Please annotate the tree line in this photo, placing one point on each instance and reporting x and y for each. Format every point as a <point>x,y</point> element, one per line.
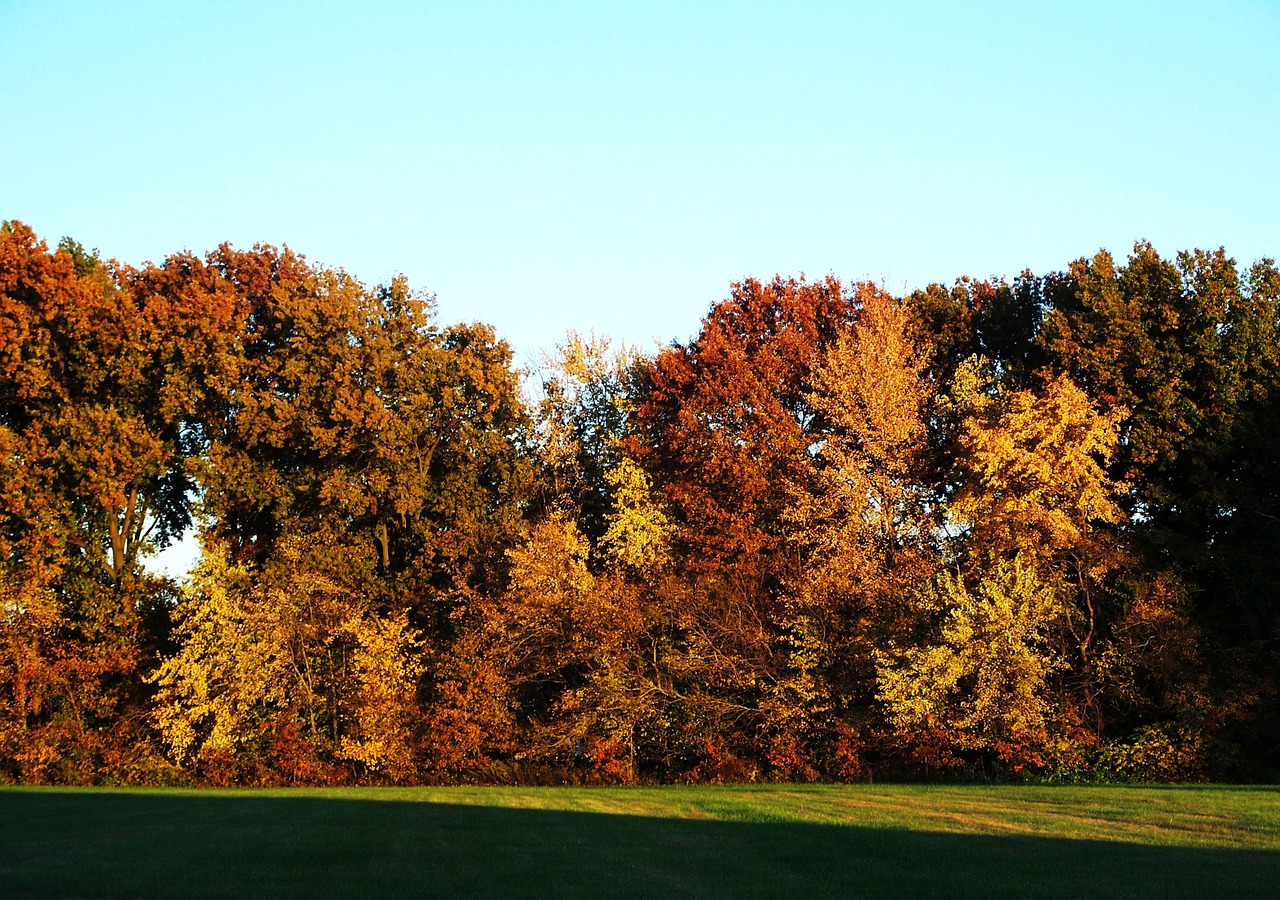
<point>996,529</point>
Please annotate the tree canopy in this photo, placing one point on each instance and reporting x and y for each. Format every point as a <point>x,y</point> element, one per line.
<point>991,528</point>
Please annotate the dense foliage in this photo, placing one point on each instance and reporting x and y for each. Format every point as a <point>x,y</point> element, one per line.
<point>983,530</point>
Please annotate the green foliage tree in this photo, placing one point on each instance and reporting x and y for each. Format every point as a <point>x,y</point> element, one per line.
<point>1189,347</point>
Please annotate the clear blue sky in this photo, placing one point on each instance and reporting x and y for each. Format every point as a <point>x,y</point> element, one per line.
<point>546,166</point>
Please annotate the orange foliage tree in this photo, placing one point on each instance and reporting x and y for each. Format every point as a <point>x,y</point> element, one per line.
<point>94,434</point>
<point>342,419</point>
<point>725,426</point>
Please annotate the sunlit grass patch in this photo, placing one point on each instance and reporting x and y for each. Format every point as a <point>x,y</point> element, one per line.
<point>696,841</point>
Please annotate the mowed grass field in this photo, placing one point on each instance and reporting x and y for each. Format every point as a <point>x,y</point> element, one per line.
<point>709,841</point>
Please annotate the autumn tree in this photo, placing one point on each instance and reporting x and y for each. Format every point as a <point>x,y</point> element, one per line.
<point>348,403</point>
<point>724,423</point>
<point>984,684</point>
<point>342,419</point>
<point>91,408</point>
<point>1035,475</point>
<point>569,645</point>
<point>575,647</point>
<point>724,428</point>
<point>582,420</point>
<point>1033,547</point>
<point>93,442</point>
<point>865,525</point>
<point>286,667</point>
<point>997,525</point>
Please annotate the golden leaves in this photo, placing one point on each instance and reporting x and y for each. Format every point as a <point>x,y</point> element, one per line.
<point>1037,481</point>
<point>984,681</point>
<point>640,530</point>
<point>386,663</point>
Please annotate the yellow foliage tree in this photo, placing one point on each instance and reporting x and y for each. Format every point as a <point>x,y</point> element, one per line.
<point>1029,523</point>
<point>581,419</point>
<point>386,665</point>
<point>1035,484</point>
<point>300,643</point>
<point>639,530</point>
<point>232,667</point>
<point>573,649</point>
<point>864,524</point>
<point>982,685</point>
<point>870,504</point>
<point>1036,481</point>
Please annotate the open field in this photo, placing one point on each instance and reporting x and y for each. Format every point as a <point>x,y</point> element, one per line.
<point>757,841</point>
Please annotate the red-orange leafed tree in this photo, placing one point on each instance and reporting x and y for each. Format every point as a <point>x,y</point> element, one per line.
<point>725,423</point>
<point>93,423</point>
<point>725,427</point>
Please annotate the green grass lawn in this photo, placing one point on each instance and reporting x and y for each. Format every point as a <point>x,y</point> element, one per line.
<point>757,841</point>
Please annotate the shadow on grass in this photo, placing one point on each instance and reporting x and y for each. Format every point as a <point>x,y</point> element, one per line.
<point>102,844</point>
